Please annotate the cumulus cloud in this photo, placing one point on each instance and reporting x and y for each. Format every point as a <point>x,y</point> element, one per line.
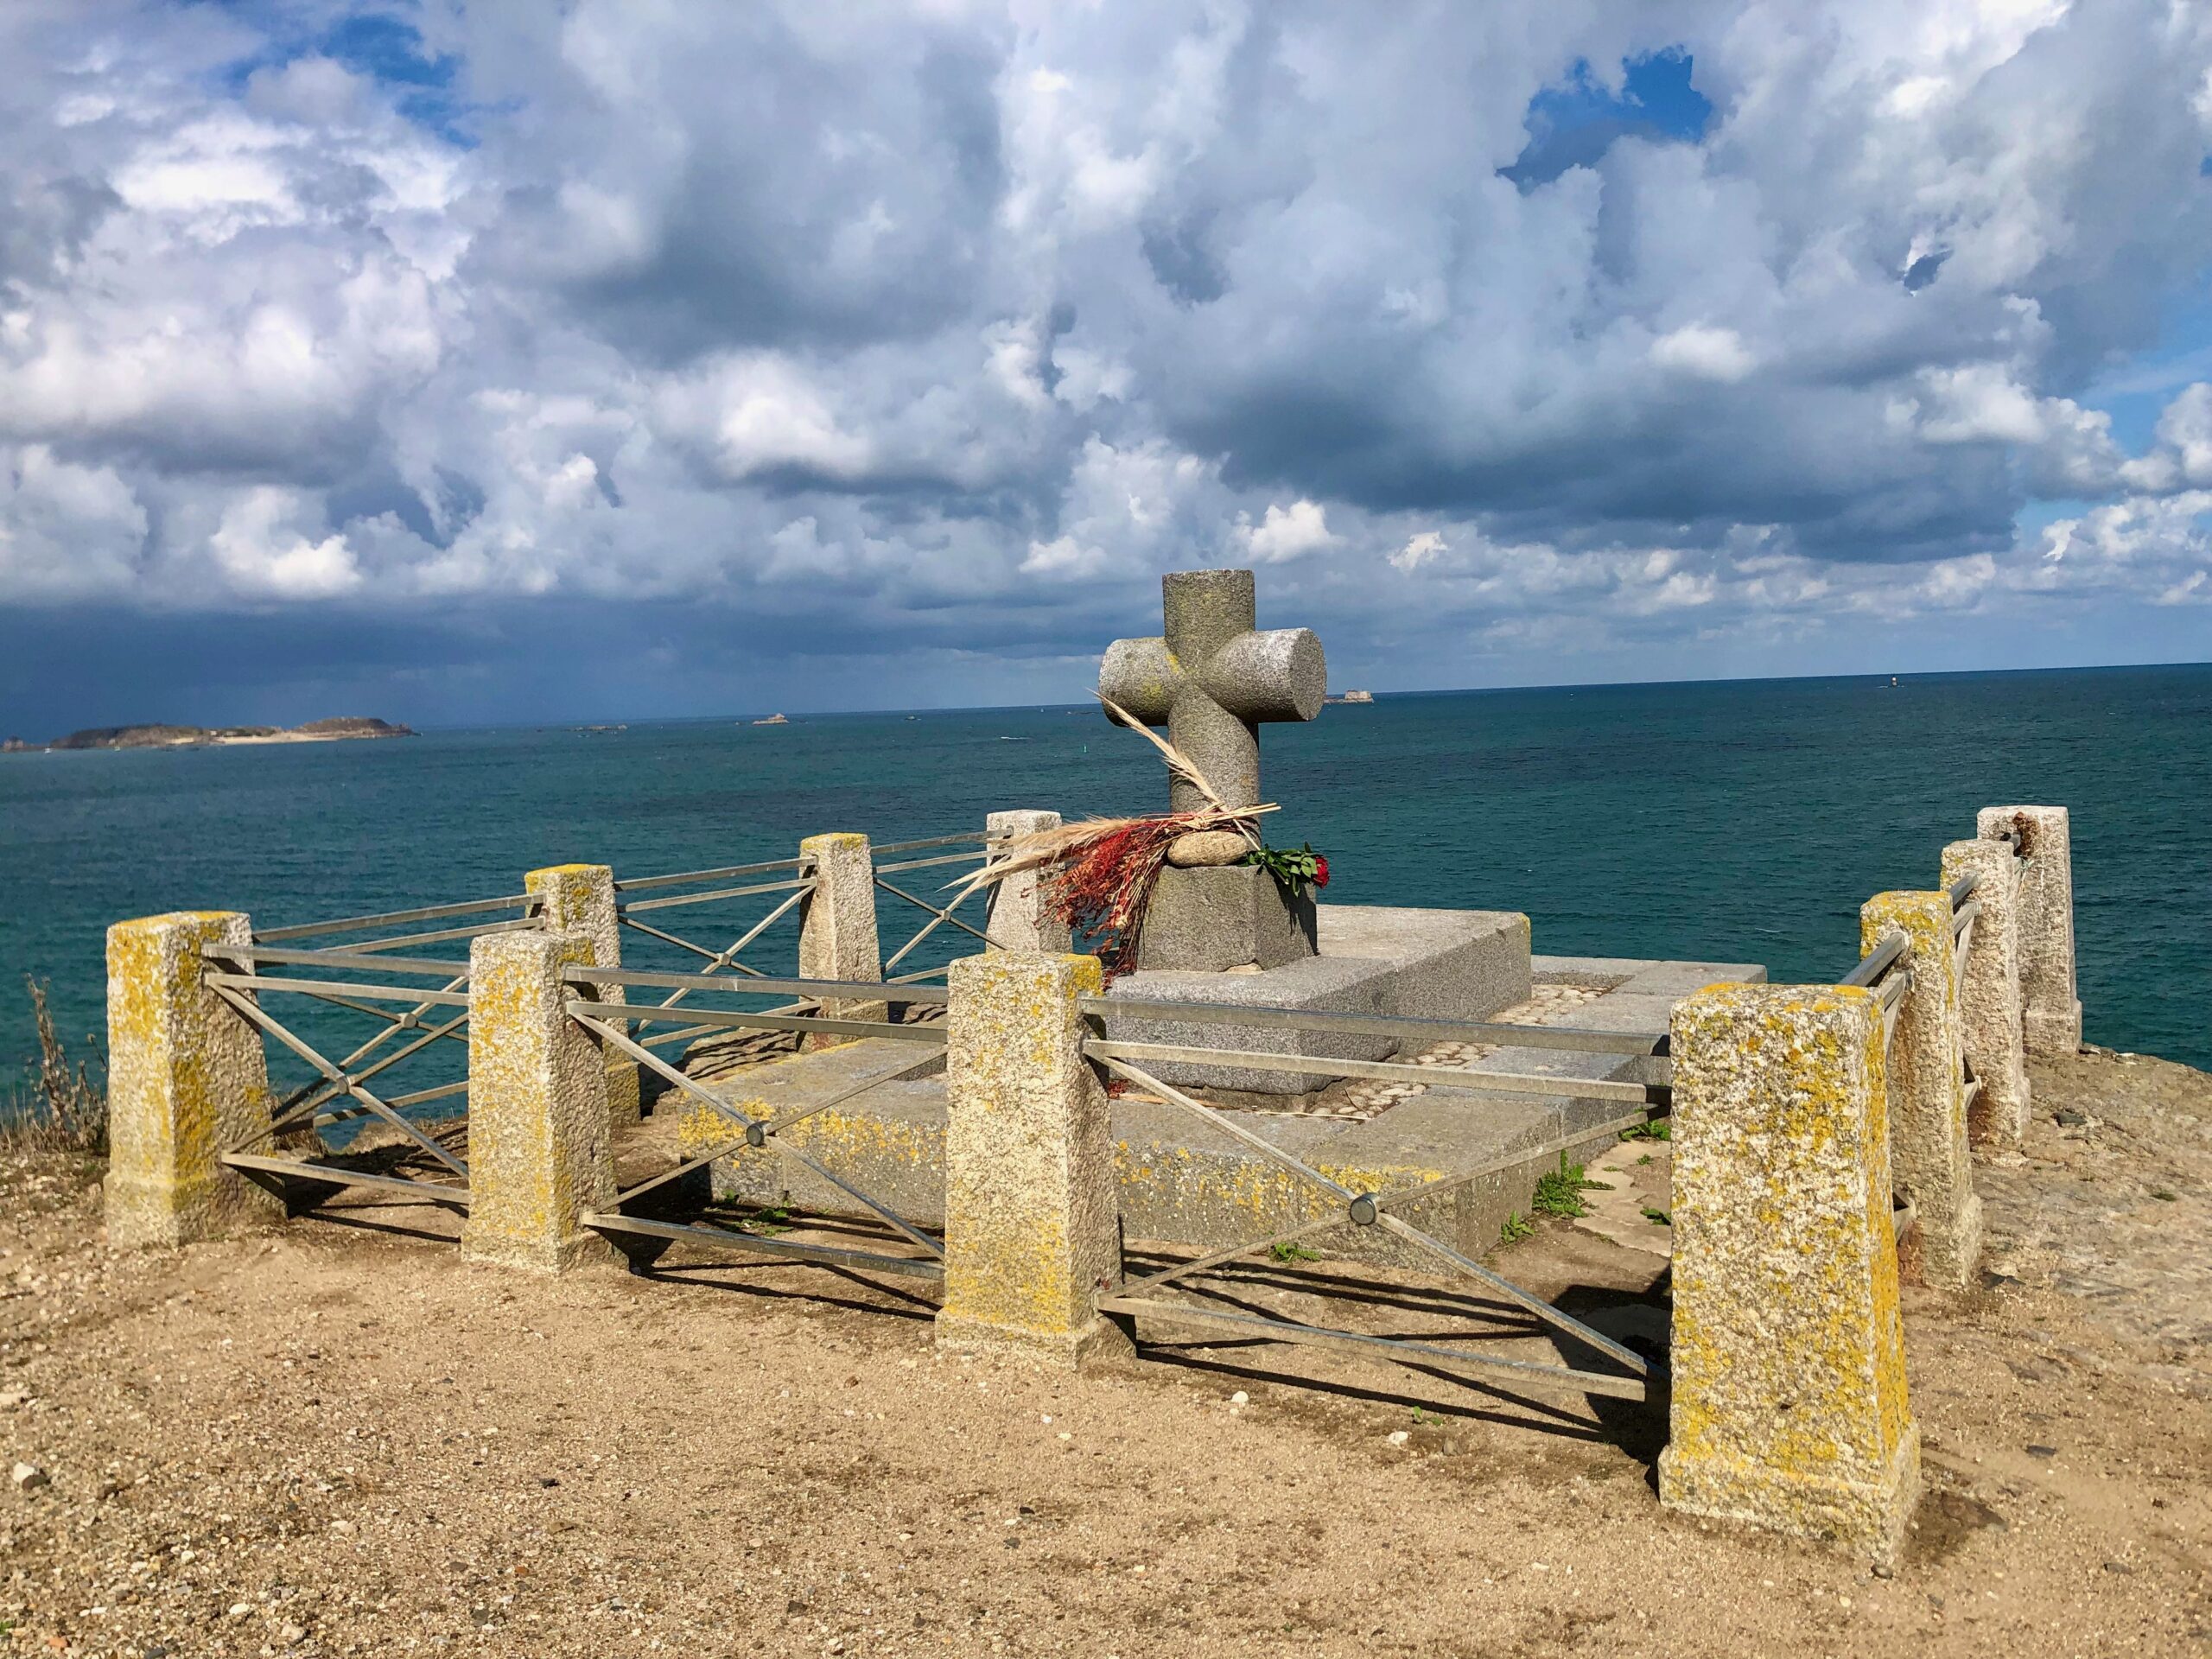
<point>1285,533</point>
<point>1709,354</point>
<point>956,329</point>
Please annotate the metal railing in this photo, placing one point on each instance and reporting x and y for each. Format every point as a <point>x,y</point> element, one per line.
<point>614,1023</point>
<point>1887,971</point>
<point>976,853</point>
<point>423,1159</point>
<point>1139,1297</point>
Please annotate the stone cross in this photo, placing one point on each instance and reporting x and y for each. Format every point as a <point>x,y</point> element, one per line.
<point>1213,678</point>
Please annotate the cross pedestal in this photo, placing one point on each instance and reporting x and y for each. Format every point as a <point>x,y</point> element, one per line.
<point>1212,679</point>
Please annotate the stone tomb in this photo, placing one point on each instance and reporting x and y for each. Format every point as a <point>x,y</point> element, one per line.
<point>1231,934</point>
<point>1183,1182</point>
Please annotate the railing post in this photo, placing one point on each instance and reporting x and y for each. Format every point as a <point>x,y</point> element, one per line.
<point>1788,1407</point>
<point>1989,992</point>
<point>836,931</point>
<point>186,1077</point>
<point>1930,1161</point>
<point>538,1136</point>
<point>580,898</point>
<point>1017,918</point>
<point>2051,1011</point>
<point>1032,1218</point>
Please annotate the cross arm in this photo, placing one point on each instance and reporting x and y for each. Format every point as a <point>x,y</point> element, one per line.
<point>1142,676</point>
<point>1268,674</point>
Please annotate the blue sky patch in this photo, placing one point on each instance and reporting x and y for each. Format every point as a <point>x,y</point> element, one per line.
<point>1572,123</point>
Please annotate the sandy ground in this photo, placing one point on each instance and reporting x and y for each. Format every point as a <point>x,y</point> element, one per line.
<point>340,1439</point>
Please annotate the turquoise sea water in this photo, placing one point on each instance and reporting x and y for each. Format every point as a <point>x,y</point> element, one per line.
<point>1742,821</point>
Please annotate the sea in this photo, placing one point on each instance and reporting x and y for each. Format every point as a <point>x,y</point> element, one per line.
<point>1737,821</point>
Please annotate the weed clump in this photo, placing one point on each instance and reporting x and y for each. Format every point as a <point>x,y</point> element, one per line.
<point>1559,1191</point>
<point>53,1106</point>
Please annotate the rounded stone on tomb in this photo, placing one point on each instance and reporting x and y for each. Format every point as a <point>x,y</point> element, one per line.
<point>1203,849</point>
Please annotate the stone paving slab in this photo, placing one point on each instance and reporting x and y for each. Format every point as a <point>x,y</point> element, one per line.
<point>1427,964</point>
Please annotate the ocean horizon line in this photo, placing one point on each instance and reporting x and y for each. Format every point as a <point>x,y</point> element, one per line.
<point>425,726</point>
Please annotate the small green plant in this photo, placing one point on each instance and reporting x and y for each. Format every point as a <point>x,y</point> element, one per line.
<point>1516,1228</point>
<point>1658,1129</point>
<point>1291,1250</point>
<point>1559,1191</point>
<point>768,1222</point>
<point>1657,1217</point>
<point>1643,1160</point>
<point>1419,1417</point>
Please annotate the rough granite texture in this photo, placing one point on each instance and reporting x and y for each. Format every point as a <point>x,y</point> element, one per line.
<point>1015,917</point>
<point>836,928</point>
<point>1925,1080</point>
<point>2051,1011</point>
<point>539,1143</point>
<point>1788,1407</point>
<point>580,898</point>
<point>1989,995</point>
<point>1429,964</point>
<point>1205,921</point>
<point>1032,1232</point>
<point>1212,679</point>
<point>186,1077</point>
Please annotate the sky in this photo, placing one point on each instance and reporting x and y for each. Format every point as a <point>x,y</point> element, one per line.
<point>469,363</point>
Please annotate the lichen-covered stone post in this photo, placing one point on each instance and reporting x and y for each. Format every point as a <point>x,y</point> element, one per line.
<point>1989,993</point>
<point>837,932</point>
<point>538,1138</point>
<point>1788,1407</point>
<point>1017,918</point>
<point>580,898</point>
<point>1929,1158</point>
<point>186,1077</point>
<point>1032,1225</point>
<point>2050,1012</point>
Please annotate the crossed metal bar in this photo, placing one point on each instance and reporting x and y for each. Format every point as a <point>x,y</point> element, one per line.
<point>309,1096</point>
<point>938,915</point>
<point>1372,1209</point>
<point>597,1018</point>
<point>236,989</point>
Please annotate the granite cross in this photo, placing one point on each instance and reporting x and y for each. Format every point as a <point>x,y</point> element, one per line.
<point>1213,678</point>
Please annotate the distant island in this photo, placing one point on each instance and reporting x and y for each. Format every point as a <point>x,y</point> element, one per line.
<point>334,730</point>
<point>1352,697</point>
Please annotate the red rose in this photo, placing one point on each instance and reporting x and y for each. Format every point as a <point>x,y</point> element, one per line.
<point>1320,870</point>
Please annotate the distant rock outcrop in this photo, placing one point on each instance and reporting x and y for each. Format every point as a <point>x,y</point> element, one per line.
<point>183,737</point>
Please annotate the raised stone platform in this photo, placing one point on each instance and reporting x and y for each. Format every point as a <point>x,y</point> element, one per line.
<point>1431,964</point>
<point>1183,1182</point>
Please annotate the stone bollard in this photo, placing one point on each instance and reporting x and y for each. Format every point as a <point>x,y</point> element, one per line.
<point>1989,993</point>
<point>538,1136</point>
<point>2050,1012</point>
<point>1032,1223</point>
<point>580,898</point>
<point>1017,918</point>
<point>186,1077</point>
<point>837,932</point>
<point>1930,1161</point>
<point>1788,1407</point>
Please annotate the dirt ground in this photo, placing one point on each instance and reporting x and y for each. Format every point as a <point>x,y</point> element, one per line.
<point>340,1439</point>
